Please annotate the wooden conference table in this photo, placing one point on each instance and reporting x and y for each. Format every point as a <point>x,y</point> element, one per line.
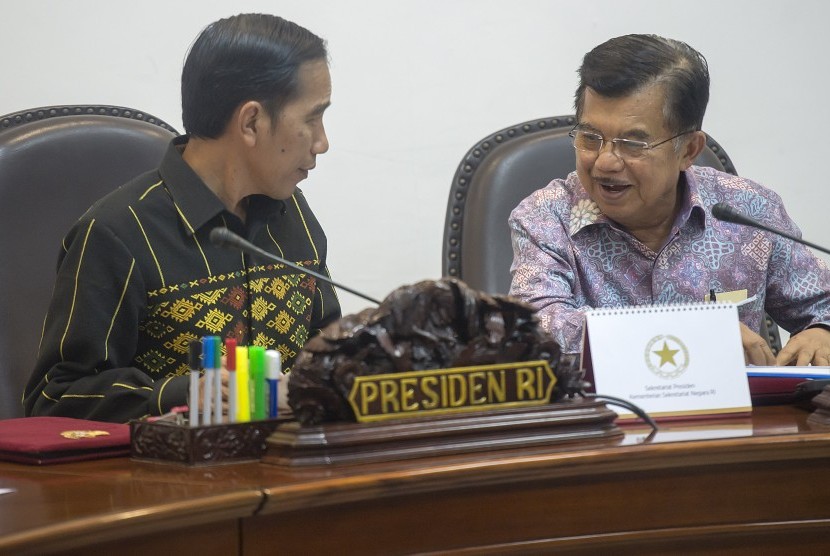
<point>754,485</point>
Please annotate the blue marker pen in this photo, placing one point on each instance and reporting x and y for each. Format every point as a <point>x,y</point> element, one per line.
<point>208,356</point>
<point>217,381</point>
<point>273,362</point>
<point>194,363</point>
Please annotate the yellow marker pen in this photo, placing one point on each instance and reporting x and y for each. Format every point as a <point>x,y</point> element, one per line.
<point>243,398</point>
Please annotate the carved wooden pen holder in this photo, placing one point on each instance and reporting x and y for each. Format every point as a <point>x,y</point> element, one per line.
<point>166,442</point>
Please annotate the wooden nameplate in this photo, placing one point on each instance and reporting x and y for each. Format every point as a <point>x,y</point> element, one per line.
<point>293,445</point>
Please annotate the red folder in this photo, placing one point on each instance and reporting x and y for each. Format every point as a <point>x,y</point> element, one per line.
<point>45,440</point>
<point>768,390</point>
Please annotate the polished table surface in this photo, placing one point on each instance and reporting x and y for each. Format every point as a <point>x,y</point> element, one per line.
<point>738,485</point>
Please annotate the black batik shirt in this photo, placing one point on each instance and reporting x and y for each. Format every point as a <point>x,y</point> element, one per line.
<point>138,280</point>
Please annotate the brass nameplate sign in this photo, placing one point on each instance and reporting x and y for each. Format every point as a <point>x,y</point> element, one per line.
<point>445,391</point>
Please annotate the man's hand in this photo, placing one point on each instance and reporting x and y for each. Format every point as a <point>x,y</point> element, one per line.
<point>808,347</point>
<point>756,349</point>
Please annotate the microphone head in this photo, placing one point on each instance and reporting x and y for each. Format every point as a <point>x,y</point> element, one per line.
<point>222,237</point>
<point>724,212</point>
<point>721,211</point>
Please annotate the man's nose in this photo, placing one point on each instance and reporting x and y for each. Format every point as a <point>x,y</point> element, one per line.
<point>321,143</point>
<point>608,159</point>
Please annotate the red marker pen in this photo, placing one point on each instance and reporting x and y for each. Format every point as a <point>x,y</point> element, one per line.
<point>230,364</point>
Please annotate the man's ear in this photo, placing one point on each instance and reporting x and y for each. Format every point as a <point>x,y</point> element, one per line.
<point>694,146</point>
<point>250,121</point>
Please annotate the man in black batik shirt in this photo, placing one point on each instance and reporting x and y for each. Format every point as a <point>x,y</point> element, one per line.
<point>139,279</point>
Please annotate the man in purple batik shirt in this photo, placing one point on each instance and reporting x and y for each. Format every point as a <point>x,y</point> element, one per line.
<point>633,225</point>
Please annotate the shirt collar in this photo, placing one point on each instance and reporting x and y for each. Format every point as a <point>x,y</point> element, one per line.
<point>197,203</point>
<point>692,203</point>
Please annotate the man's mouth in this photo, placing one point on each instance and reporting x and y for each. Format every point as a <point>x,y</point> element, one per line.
<point>613,186</point>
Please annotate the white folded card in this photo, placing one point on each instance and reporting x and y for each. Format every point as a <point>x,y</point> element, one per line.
<point>671,360</point>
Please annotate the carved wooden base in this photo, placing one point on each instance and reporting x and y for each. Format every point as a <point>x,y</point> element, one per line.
<point>202,445</point>
<point>820,418</point>
<point>351,443</point>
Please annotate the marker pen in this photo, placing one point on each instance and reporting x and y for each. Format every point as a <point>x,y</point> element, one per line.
<point>273,362</point>
<point>194,363</point>
<point>230,364</point>
<point>256,368</point>
<point>208,354</point>
<point>243,389</point>
<point>217,381</point>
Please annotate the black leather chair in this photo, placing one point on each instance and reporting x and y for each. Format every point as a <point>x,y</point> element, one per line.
<point>495,175</point>
<point>54,163</point>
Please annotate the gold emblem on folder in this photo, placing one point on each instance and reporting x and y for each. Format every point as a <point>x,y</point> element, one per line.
<point>75,435</point>
<point>667,356</point>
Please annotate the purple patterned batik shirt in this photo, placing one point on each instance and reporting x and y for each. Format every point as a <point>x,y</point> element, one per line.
<point>569,257</point>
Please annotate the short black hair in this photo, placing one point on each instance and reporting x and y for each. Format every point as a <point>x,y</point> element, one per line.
<point>625,65</point>
<point>241,58</point>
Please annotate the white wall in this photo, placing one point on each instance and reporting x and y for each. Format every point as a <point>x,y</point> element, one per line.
<point>416,83</point>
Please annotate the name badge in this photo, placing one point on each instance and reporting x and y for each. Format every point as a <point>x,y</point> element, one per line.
<point>732,297</point>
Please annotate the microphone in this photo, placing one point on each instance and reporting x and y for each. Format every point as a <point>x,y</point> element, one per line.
<point>223,237</point>
<point>724,212</point>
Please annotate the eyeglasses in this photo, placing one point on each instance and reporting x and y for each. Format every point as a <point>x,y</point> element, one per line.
<point>590,142</point>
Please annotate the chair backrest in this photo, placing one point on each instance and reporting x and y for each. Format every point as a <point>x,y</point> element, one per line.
<point>493,178</point>
<point>54,163</point>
